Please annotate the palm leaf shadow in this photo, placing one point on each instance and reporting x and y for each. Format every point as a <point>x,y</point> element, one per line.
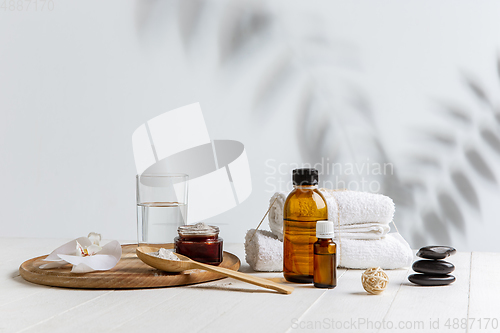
<point>465,188</point>
<point>436,227</point>
<point>479,164</point>
<point>451,211</point>
<point>189,16</point>
<point>491,139</point>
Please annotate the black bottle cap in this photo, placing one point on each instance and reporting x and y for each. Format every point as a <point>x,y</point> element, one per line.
<point>305,176</point>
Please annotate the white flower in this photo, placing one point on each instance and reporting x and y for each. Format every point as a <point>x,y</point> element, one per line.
<point>85,254</point>
<point>84,251</point>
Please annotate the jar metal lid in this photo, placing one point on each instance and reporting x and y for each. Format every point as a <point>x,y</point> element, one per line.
<point>198,229</point>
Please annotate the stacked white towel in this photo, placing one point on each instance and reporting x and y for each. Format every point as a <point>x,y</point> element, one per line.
<point>362,215</point>
<point>390,252</point>
<point>361,220</point>
<point>265,252</point>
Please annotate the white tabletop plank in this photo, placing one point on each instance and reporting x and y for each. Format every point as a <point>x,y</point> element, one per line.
<point>229,305</point>
<point>266,310</point>
<point>191,309</point>
<point>349,307</point>
<point>484,303</point>
<point>106,312</point>
<point>31,311</point>
<point>13,287</point>
<point>417,307</point>
<point>13,252</point>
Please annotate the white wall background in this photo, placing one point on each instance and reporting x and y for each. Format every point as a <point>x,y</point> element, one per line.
<point>76,81</point>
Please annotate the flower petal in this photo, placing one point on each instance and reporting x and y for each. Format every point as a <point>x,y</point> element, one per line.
<point>93,249</point>
<point>53,264</point>
<point>106,259</point>
<point>68,248</point>
<point>80,252</point>
<point>95,238</point>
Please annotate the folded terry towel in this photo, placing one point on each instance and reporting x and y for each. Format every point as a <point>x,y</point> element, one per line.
<point>390,252</point>
<point>362,215</point>
<point>370,230</point>
<point>265,252</point>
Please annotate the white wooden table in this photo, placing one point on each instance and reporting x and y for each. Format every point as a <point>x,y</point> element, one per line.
<point>231,306</point>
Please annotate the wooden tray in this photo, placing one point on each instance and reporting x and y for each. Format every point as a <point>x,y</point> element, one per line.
<point>129,273</point>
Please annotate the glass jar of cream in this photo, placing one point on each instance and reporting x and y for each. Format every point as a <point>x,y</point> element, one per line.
<point>200,242</point>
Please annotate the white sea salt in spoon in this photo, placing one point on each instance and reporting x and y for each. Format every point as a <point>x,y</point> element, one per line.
<point>165,254</point>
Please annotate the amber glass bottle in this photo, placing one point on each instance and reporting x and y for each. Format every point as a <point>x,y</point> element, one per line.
<point>303,207</point>
<point>325,261</point>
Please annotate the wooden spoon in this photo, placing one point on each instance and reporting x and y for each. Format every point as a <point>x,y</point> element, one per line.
<point>185,263</point>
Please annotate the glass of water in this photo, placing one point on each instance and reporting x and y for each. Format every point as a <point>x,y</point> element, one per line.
<point>161,206</point>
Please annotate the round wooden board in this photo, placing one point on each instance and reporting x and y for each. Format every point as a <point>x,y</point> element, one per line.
<point>129,273</point>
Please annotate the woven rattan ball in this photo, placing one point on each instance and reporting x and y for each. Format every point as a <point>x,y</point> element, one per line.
<point>374,280</point>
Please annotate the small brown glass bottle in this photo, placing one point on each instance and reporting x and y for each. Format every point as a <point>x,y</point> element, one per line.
<point>325,261</point>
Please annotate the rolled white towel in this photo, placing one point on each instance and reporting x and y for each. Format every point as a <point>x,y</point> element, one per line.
<point>368,213</point>
<point>275,215</point>
<point>263,252</point>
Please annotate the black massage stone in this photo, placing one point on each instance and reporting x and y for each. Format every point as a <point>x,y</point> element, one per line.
<point>431,279</point>
<point>435,252</point>
<point>433,267</point>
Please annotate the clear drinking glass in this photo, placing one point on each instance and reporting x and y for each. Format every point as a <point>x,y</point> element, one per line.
<point>161,206</point>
